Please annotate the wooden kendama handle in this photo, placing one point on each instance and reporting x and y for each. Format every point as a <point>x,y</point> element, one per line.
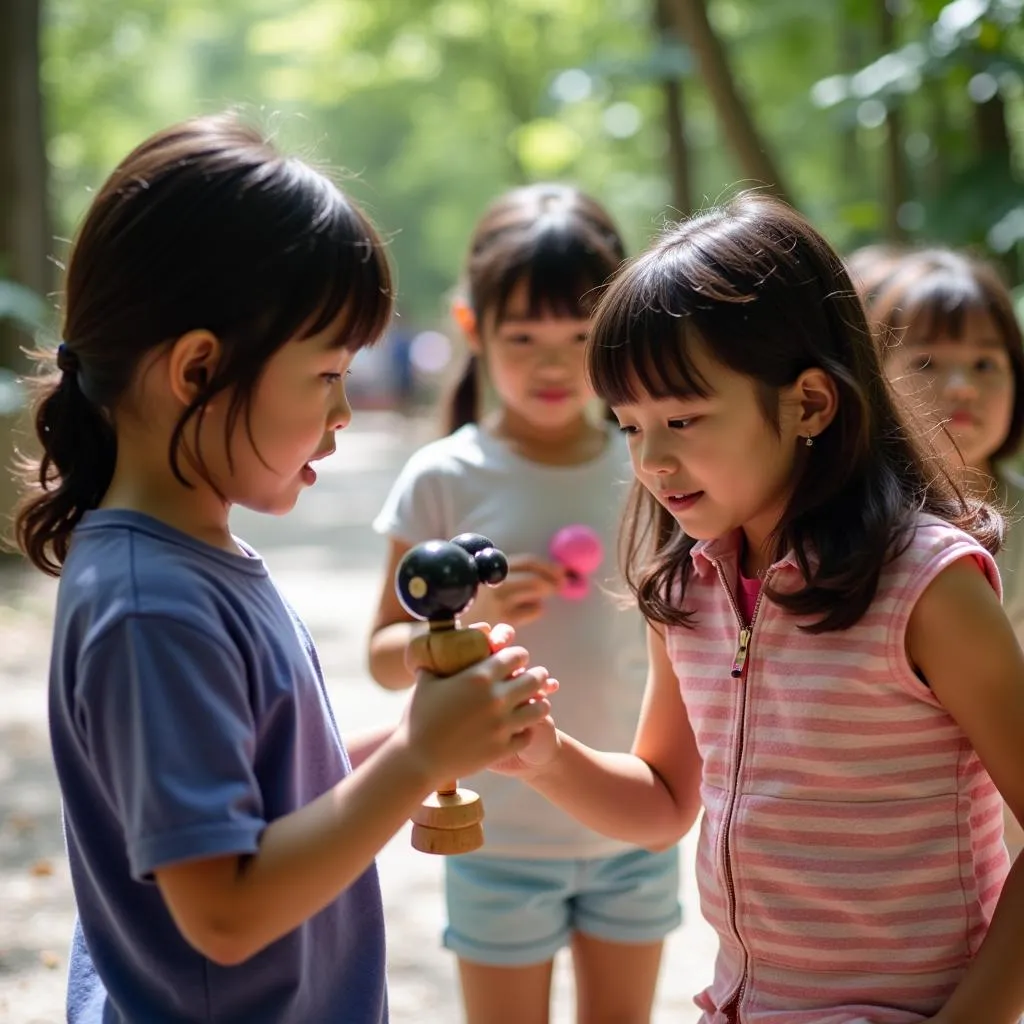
<point>435,581</point>
<point>444,651</point>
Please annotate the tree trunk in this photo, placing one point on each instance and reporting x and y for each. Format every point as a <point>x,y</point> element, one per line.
<point>895,162</point>
<point>691,18</point>
<point>990,129</point>
<point>675,121</point>
<point>938,123</point>
<point>850,172</point>
<point>993,140</point>
<point>24,220</point>
<point>24,223</point>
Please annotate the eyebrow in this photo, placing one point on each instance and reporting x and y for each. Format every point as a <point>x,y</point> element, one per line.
<point>986,342</point>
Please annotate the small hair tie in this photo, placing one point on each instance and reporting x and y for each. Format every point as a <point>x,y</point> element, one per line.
<point>67,361</point>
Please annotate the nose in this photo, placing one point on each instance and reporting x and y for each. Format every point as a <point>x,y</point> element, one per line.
<point>959,384</point>
<point>554,358</point>
<point>340,413</point>
<point>655,457</point>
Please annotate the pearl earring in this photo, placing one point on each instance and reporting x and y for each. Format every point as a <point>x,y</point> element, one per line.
<point>809,442</point>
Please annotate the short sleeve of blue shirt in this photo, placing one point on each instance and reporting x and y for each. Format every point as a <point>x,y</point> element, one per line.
<point>165,714</point>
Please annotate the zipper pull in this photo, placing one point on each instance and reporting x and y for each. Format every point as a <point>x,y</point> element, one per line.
<point>741,654</point>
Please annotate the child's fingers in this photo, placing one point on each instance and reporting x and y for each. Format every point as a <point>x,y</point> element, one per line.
<point>551,573</point>
<point>522,686</point>
<point>500,636</point>
<point>524,587</point>
<point>526,612</point>
<point>527,714</point>
<point>502,664</point>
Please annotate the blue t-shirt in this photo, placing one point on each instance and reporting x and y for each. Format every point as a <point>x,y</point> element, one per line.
<point>188,710</point>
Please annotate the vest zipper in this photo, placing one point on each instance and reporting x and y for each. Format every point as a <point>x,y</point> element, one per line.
<point>738,671</point>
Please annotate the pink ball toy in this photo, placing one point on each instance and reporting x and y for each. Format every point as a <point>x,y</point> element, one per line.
<point>580,550</point>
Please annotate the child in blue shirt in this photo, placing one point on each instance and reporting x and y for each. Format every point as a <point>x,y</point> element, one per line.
<point>221,837</point>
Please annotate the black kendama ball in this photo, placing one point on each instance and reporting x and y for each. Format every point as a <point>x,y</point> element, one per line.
<point>438,579</point>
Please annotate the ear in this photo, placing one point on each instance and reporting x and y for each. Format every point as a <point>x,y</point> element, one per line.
<point>191,364</point>
<point>464,316</point>
<point>816,401</point>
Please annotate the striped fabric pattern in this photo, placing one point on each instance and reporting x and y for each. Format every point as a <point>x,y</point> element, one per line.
<point>850,854</point>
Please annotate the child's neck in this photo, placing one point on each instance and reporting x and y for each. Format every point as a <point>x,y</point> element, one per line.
<point>577,442</point>
<point>753,564</point>
<point>142,484</point>
<point>758,546</point>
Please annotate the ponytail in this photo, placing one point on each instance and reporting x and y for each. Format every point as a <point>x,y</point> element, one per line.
<point>463,405</point>
<point>79,451</point>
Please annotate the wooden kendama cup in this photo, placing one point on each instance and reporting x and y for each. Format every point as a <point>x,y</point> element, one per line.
<point>579,549</point>
<point>436,581</point>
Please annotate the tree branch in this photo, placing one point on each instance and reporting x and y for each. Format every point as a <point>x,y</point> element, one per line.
<point>691,18</point>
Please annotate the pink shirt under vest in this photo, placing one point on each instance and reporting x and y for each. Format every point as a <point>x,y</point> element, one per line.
<point>850,853</point>
<point>747,591</point>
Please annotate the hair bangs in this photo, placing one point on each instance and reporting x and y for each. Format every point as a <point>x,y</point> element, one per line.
<point>341,272</point>
<point>941,304</point>
<point>562,272</point>
<point>639,345</point>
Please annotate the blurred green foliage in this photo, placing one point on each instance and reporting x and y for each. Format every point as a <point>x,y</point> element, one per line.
<point>432,107</point>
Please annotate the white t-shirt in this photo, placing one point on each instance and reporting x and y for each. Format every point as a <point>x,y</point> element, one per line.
<point>472,482</point>
<point>1010,559</point>
<point>1010,562</point>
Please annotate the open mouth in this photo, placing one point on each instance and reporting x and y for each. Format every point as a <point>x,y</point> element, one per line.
<point>682,502</point>
<point>308,473</point>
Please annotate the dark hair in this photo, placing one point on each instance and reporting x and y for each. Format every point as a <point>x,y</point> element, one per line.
<point>934,289</point>
<point>204,225</point>
<point>770,299</point>
<point>558,240</point>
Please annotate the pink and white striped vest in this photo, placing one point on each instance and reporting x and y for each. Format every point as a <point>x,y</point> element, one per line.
<point>850,854</point>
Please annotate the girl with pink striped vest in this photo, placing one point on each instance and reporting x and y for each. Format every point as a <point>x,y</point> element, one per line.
<point>833,678</point>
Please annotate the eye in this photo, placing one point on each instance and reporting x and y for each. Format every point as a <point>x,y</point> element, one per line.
<point>681,423</point>
<point>581,338</point>
<point>517,339</point>
<point>920,363</point>
<point>627,428</point>
<point>333,378</point>
<point>988,365</point>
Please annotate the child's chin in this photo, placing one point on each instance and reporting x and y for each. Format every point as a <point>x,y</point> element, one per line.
<point>276,505</point>
<point>697,529</point>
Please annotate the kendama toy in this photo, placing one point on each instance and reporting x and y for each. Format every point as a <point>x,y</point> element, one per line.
<point>579,549</point>
<point>435,581</point>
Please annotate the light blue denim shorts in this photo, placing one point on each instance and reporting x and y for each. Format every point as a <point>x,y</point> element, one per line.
<point>512,912</point>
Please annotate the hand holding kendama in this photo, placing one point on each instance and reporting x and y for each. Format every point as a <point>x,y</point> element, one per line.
<point>435,581</point>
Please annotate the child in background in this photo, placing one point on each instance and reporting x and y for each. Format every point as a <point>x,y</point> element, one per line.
<point>952,346</point>
<point>537,464</point>
<point>220,836</point>
<point>870,265</point>
<point>832,674</point>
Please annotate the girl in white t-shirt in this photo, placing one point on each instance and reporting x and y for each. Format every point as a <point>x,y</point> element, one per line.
<point>951,344</point>
<point>536,464</point>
